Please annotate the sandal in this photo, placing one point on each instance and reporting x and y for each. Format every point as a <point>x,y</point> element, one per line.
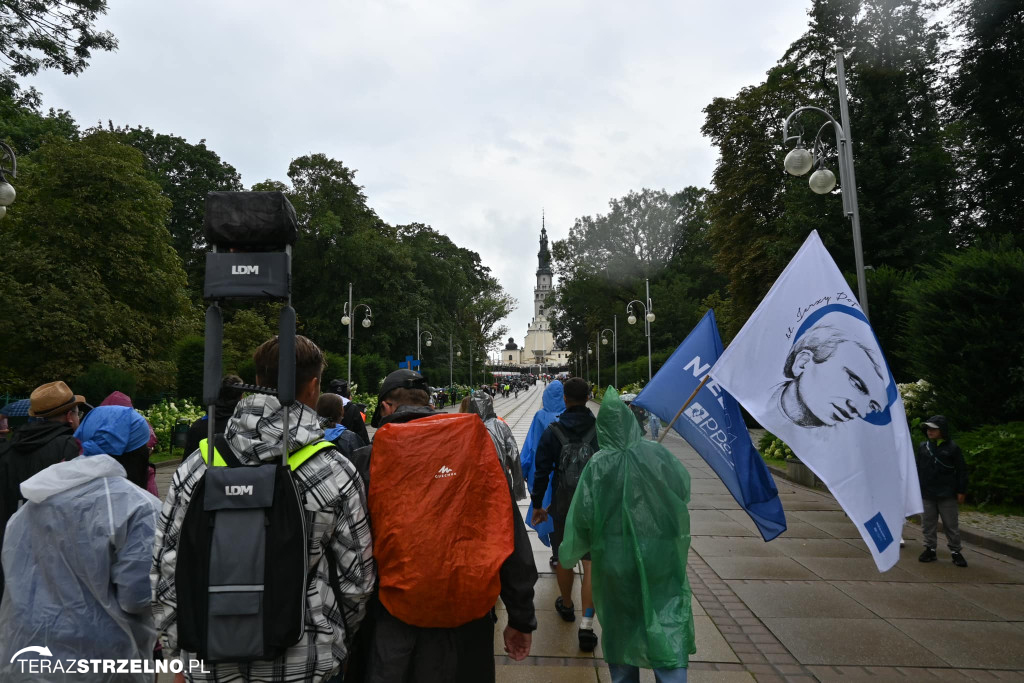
<point>567,613</point>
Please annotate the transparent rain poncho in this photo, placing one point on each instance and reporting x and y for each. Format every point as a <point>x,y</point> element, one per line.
<point>629,512</point>
<point>482,404</point>
<point>77,558</point>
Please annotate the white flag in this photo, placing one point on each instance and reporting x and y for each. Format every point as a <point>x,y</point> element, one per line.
<point>808,367</point>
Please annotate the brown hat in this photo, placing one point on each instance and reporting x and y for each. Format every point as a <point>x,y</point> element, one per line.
<point>50,400</point>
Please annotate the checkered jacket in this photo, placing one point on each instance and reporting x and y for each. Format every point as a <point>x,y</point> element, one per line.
<point>335,503</point>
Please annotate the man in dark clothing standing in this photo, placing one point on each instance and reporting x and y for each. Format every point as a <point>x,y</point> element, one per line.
<point>943,475</point>
<point>352,417</point>
<point>579,425</point>
<point>394,651</point>
<point>227,399</point>
<point>37,445</point>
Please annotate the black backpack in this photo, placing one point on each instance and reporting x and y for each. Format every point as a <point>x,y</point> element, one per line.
<point>573,457</point>
<point>242,558</point>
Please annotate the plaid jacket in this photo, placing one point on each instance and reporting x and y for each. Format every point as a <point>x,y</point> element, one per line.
<point>335,503</point>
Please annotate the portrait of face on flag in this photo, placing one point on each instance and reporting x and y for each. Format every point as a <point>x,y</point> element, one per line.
<point>713,425</point>
<point>809,368</point>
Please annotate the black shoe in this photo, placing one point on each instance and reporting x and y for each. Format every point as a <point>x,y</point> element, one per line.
<point>927,556</point>
<point>959,560</point>
<point>553,562</point>
<point>567,613</point>
<point>588,639</point>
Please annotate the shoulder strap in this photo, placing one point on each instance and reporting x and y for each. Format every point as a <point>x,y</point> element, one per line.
<point>590,436</point>
<point>559,433</point>
<point>223,449</point>
<point>306,452</point>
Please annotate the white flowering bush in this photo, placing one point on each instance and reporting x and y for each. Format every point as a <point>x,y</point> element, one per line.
<point>164,415</point>
<point>918,400</point>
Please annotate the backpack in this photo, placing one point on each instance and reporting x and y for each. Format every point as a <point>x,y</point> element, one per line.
<point>441,516</point>
<point>242,558</point>
<point>573,457</point>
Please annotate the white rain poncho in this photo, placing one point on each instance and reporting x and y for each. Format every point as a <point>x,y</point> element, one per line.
<point>77,557</point>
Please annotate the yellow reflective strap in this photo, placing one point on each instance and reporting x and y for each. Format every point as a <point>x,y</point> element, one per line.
<point>306,452</point>
<point>218,459</point>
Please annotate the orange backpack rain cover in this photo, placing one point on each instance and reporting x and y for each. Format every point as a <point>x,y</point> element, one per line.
<point>441,516</point>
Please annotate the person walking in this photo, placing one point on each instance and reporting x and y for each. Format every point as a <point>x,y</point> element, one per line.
<point>630,514</point>
<point>552,405</point>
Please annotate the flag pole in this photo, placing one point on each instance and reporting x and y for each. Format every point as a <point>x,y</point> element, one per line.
<point>688,401</point>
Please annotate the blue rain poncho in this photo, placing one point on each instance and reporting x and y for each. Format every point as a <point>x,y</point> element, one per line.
<point>629,512</point>
<point>553,402</point>
<point>77,557</point>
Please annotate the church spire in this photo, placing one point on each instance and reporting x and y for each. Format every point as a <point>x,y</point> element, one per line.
<point>544,255</point>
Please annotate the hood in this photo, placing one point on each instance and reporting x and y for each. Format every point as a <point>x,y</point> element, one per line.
<point>617,429</point>
<point>67,475</point>
<point>255,430</point>
<point>117,399</point>
<point>941,422</point>
<point>34,435</point>
<point>554,397</point>
<point>482,404</point>
<point>113,430</point>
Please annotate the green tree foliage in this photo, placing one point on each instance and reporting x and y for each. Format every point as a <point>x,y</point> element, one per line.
<point>88,272</point>
<point>905,176</point>
<point>988,113</point>
<point>964,333</point>
<point>186,173</point>
<point>189,356</point>
<point>99,381</point>
<point>995,463</point>
<point>51,34</point>
<point>22,123</point>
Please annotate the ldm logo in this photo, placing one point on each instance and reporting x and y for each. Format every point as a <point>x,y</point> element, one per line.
<point>238,490</point>
<point>245,270</point>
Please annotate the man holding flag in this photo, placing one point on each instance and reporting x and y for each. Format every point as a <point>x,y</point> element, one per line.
<point>808,367</point>
<point>713,425</point>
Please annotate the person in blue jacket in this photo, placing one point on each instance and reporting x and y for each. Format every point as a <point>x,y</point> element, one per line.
<point>553,402</point>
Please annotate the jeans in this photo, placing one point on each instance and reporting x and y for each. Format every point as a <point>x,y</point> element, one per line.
<point>947,509</point>
<point>624,673</point>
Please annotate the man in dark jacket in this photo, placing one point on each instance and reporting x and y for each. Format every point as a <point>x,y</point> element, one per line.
<point>394,651</point>
<point>227,399</point>
<point>943,475</point>
<point>352,417</point>
<point>37,445</point>
<point>578,424</point>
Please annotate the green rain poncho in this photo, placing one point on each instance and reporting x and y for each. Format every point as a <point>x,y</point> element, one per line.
<point>629,511</point>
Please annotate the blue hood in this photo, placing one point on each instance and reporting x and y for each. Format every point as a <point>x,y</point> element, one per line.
<point>554,397</point>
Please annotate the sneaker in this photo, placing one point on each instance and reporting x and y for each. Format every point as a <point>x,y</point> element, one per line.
<point>588,639</point>
<point>553,562</point>
<point>567,613</point>
<point>959,560</point>
<point>903,543</point>
<point>927,556</point>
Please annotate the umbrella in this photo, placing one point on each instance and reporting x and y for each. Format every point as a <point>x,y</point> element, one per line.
<point>16,408</point>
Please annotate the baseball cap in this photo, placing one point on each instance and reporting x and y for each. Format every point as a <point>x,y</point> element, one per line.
<point>399,379</point>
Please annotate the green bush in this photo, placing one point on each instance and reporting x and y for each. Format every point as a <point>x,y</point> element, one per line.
<point>964,333</point>
<point>99,381</point>
<point>995,463</point>
<point>164,415</point>
<point>772,447</point>
<point>189,353</point>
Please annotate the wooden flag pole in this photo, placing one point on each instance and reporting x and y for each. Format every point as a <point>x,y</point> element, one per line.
<point>688,401</point>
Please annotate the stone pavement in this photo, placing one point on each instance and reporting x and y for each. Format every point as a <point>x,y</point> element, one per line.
<point>810,605</point>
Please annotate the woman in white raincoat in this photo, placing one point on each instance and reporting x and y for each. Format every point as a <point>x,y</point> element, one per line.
<point>77,558</point>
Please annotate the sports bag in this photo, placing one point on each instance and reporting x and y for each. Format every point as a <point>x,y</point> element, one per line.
<point>242,559</point>
<point>573,457</point>
<point>441,516</point>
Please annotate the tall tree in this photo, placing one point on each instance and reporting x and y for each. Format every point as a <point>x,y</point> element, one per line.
<point>88,272</point>
<point>50,34</point>
<point>988,109</point>
<point>186,172</point>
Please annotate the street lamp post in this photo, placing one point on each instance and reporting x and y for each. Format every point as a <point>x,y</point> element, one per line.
<point>451,359</point>
<point>590,352</point>
<point>419,338</point>
<point>799,161</point>
<point>346,319</point>
<point>615,353</point>
<point>648,319</point>
<point>7,193</point>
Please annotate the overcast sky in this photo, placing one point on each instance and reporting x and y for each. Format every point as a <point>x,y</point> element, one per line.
<point>471,117</point>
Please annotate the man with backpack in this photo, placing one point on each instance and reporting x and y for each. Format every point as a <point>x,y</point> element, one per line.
<point>265,603</point>
<point>565,447</point>
<point>433,618</point>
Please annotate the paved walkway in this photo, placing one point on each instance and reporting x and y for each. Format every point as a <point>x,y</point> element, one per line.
<point>808,606</point>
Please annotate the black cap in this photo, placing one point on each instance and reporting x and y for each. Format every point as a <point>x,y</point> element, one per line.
<point>399,379</point>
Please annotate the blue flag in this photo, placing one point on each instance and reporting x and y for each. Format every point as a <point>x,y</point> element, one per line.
<point>713,425</point>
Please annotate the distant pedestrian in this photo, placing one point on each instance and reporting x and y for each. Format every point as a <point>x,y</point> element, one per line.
<point>228,397</point>
<point>943,475</point>
<point>629,512</point>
